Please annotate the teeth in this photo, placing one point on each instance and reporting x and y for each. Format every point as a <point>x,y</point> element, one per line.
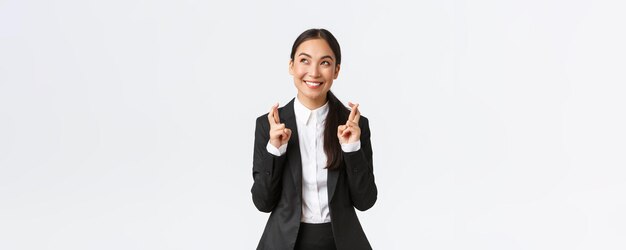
<point>312,83</point>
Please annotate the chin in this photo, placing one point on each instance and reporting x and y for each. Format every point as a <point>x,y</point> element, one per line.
<point>314,93</point>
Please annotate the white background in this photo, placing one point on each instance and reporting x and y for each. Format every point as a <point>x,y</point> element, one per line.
<point>495,124</point>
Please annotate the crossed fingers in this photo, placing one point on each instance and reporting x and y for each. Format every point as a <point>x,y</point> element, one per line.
<point>279,134</point>
<point>355,114</point>
<point>350,131</point>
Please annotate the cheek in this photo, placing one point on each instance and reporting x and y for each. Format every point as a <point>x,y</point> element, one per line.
<point>329,73</point>
<point>299,72</point>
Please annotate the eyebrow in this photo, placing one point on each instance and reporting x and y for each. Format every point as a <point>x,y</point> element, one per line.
<point>307,55</point>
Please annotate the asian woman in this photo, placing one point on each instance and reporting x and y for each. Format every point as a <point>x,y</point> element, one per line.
<point>312,161</point>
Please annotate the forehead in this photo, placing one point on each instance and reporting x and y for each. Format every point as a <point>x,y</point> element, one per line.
<point>315,47</point>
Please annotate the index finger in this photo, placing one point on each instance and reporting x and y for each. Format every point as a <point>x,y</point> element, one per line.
<point>276,117</point>
<point>353,111</point>
<point>270,116</point>
<point>357,116</point>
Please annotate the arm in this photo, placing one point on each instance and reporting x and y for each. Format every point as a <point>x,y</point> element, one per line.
<point>360,171</point>
<point>267,170</point>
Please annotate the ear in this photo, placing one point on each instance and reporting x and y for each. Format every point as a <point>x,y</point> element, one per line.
<point>290,67</point>
<point>337,68</point>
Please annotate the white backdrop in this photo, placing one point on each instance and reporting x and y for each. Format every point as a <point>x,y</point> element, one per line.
<point>495,124</point>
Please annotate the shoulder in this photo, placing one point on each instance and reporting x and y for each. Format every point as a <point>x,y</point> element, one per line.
<point>262,118</point>
<point>364,122</point>
<point>262,123</point>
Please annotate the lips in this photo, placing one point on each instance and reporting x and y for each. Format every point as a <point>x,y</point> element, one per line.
<point>313,84</point>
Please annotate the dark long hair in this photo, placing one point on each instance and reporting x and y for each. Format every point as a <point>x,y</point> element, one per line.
<point>336,110</point>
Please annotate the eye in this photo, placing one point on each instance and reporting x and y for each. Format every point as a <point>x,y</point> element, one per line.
<point>304,60</point>
<point>325,63</point>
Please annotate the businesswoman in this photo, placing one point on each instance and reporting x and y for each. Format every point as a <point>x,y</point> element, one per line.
<point>313,158</point>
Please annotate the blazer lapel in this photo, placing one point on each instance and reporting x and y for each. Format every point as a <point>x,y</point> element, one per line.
<point>293,151</point>
<point>333,176</point>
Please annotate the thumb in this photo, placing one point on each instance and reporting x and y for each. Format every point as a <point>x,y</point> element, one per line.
<point>340,128</point>
<point>287,132</point>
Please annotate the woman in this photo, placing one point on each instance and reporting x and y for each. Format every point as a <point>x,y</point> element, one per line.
<point>313,158</point>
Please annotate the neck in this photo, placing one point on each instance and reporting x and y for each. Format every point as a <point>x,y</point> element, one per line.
<point>311,104</point>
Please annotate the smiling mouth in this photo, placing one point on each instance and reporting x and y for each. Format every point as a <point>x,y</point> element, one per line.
<point>312,84</point>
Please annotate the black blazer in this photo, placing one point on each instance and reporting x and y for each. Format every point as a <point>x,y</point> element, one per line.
<point>277,187</point>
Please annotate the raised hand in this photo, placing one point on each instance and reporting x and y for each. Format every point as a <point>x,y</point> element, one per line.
<point>350,132</point>
<point>279,134</point>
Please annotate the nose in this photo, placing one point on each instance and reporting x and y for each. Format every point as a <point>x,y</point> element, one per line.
<point>314,71</point>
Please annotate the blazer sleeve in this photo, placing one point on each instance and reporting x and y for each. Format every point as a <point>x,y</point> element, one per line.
<point>267,169</point>
<point>360,171</point>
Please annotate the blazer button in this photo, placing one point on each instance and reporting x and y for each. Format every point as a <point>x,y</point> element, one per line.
<point>267,172</point>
